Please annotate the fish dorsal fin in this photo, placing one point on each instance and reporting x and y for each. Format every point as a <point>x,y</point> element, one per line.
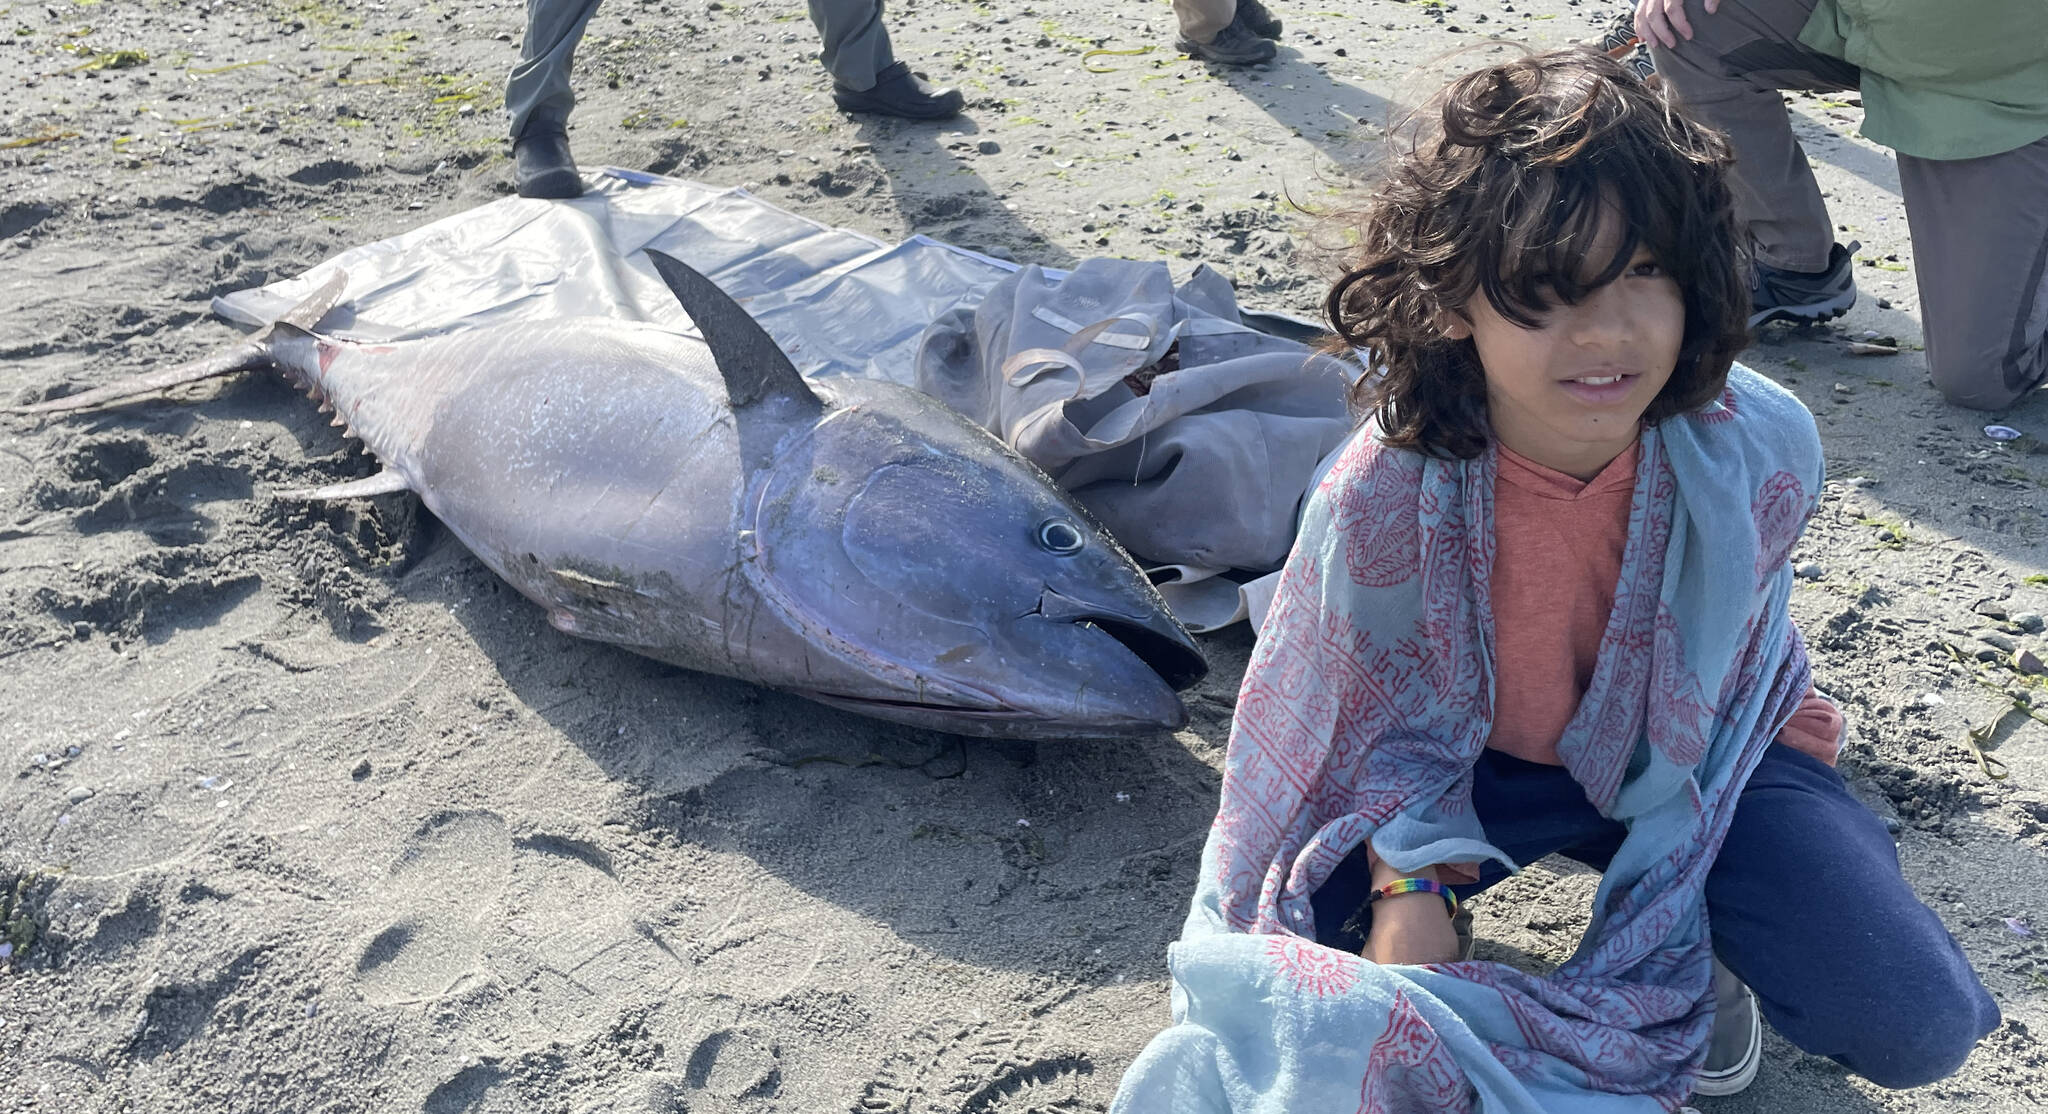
<point>753,367</point>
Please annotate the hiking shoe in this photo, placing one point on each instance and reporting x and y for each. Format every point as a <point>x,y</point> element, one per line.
<point>1621,44</point>
<point>541,164</point>
<point>1257,20</point>
<point>1235,45</point>
<point>1639,63</point>
<point>1780,295</point>
<point>898,92</point>
<point>1621,33</point>
<point>1737,1045</point>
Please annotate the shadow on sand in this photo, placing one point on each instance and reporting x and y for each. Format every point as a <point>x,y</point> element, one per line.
<point>930,179</point>
<point>1073,857</point>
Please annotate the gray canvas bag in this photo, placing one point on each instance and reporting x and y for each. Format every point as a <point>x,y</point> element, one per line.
<point>1192,436</point>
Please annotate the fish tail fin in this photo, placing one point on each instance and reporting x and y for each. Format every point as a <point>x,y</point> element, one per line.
<point>253,352</point>
<point>240,357</point>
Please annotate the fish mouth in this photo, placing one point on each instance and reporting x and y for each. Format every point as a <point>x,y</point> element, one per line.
<point>1156,639</point>
<point>1128,699</point>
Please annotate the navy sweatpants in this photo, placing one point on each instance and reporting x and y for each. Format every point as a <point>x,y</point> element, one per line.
<point>1805,901</point>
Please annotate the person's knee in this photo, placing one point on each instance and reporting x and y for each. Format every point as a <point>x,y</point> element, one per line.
<point>1986,379</point>
<point>1926,1038</point>
<point>1984,352</point>
<point>1928,1051</point>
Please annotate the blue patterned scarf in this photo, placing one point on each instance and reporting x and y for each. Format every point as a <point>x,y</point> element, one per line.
<point>1369,699</point>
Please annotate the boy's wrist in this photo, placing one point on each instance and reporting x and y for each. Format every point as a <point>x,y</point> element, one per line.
<point>1404,903</point>
<point>1406,929</point>
<point>1383,873</point>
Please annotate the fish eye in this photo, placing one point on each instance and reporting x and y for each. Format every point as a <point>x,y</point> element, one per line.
<point>1057,535</point>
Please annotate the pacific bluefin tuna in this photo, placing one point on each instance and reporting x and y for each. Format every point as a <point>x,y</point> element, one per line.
<point>700,502</point>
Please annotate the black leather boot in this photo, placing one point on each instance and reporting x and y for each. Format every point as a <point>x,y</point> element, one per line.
<point>898,92</point>
<point>1235,45</point>
<point>541,163</point>
<point>1257,19</point>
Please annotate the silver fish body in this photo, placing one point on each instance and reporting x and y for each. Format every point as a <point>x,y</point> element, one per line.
<point>852,541</point>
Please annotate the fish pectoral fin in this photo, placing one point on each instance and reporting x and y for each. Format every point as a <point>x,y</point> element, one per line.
<point>383,483</point>
<point>597,621</point>
<point>601,604</point>
<point>590,587</point>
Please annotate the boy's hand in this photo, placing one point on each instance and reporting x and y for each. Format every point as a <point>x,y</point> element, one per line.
<point>1663,23</point>
<point>1411,928</point>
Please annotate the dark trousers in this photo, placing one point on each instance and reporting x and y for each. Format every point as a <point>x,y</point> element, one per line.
<point>856,48</point>
<point>1805,901</point>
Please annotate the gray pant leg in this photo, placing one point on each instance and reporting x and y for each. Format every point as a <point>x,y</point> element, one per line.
<point>856,45</point>
<point>541,79</point>
<point>1980,255</point>
<point>1729,74</point>
<point>1201,19</point>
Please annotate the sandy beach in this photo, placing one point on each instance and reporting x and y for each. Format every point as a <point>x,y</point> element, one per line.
<point>305,810</point>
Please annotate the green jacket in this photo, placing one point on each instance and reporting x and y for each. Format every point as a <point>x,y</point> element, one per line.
<point>1943,79</point>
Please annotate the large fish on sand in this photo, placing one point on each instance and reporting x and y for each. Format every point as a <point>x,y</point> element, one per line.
<point>700,502</point>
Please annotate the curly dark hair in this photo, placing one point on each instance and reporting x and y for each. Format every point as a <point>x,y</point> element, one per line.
<point>1496,186</point>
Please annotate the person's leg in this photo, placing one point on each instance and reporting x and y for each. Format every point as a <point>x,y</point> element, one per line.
<point>866,77</point>
<point>1807,906</point>
<point>856,44</point>
<point>1980,255</point>
<point>1729,74</point>
<point>1227,32</point>
<point>540,82</point>
<point>1200,19</point>
<point>538,99</point>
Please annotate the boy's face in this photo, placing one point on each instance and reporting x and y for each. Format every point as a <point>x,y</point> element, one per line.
<point>1570,394</point>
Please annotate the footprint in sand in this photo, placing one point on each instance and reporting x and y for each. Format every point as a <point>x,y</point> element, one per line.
<point>979,1067</point>
<point>471,897</point>
<point>441,887</point>
<point>731,1069</point>
<point>627,1068</point>
<point>572,937</point>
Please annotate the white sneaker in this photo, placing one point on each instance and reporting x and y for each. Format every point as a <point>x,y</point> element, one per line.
<point>1737,1045</point>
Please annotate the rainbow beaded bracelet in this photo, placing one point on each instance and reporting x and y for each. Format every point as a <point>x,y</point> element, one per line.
<point>1418,886</point>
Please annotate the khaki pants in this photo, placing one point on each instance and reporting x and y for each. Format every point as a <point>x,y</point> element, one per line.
<point>1979,227</point>
<point>1201,19</point>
